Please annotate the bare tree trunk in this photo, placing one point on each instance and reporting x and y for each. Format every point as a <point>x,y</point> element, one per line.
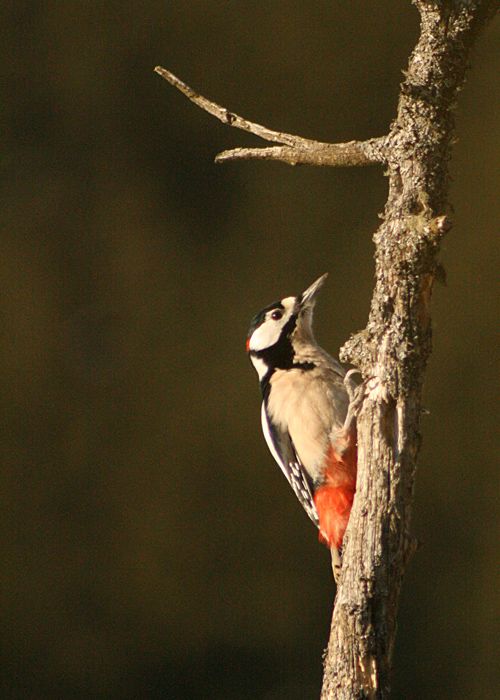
<point>392,351</point>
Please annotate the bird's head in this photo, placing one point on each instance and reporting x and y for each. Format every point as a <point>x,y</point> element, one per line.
<point>274,329</point>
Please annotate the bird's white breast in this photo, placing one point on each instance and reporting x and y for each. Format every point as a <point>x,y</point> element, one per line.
<point>309,405</point>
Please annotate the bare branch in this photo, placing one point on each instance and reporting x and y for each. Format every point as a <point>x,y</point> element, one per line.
<point>295,149</point>
<point>351,153</point>
<point>227,117</point>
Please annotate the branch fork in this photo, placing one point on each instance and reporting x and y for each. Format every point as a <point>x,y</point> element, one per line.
<point>293,149</point>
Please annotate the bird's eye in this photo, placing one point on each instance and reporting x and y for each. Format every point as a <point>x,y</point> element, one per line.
<point>276,315</point>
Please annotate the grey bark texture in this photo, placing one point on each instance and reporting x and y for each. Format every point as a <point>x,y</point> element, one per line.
<point>392,353</point>
<point>393,350</point>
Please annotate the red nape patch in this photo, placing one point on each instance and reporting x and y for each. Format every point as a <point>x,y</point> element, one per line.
<point>247,345</point>
<point>333,504</point>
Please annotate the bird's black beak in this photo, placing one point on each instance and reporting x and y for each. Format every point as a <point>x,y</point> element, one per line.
<point>308,298</point>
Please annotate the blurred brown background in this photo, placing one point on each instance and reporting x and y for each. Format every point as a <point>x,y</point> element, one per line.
<point>152,548</point>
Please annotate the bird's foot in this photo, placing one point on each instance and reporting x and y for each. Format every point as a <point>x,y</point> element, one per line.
<point>356,393</point>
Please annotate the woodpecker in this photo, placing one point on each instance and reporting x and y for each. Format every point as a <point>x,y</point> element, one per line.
<point>306,413</point>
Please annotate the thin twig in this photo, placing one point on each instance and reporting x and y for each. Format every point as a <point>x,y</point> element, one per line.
<point>295,149</point>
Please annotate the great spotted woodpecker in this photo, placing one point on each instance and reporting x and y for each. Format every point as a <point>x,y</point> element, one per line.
<point>306,417</point>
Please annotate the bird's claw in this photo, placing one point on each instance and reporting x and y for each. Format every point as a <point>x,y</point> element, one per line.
<point>356,393</point>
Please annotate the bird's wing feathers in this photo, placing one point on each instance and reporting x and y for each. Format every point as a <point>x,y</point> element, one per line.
<point>283,451</point>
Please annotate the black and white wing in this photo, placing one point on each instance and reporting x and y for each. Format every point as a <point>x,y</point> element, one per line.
<point>283,451</point>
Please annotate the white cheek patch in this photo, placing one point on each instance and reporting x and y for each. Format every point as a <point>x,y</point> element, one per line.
<point>265,335</point>
<point>268,333</point>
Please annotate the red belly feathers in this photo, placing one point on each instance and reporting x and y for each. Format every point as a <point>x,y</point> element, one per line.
<point>333,499</point>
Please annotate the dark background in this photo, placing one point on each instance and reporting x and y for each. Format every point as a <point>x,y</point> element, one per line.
<point>151,546</point>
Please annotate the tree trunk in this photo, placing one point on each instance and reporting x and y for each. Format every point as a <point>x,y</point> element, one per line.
<point>392,353</point>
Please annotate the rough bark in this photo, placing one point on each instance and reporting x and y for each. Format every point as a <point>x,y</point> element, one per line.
<point>392,353</point>
<point>393,350</point>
